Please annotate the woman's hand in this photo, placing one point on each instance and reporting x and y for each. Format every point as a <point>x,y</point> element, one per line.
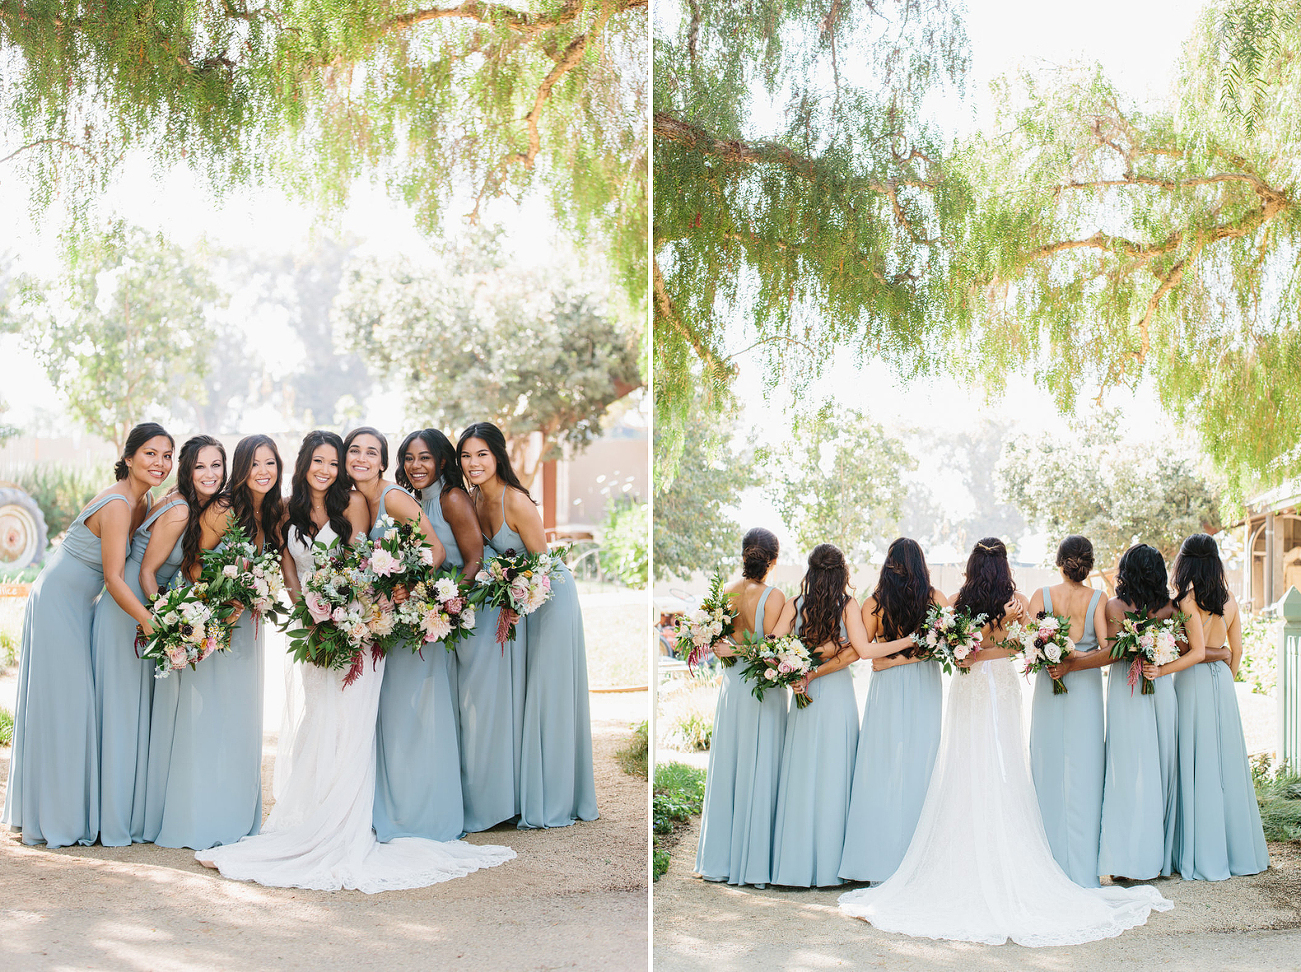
<point>400,593</point>
<point>1013,610</point>
<point>724,649</point>
<point>801,687</point>
<point>236,613</point>
<point>881,664</point>
<point>1055,672</point>
<point>1151,671</point>
<point>146,629</point>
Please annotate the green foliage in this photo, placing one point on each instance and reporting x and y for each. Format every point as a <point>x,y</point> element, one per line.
<point>839,482</point>
<point>660,862</point>
<point>6,727</point>
<point>692,733</point>
<point>633,758</point>
<point>1250,36</point>
<point>475,339</point>
<point>61,491</point>
<point>1258,666</point>
<point>8,649</point>
<point>678,794</point>
<point>693,530</point>
<point>1278,794</point>
<point>625,552</point>
<point>1113,492</point>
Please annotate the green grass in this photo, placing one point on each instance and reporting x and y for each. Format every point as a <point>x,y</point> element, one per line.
<point>678,796</point>
<point>633,758</point>
<point>1279,795</point>
<point>6,727</point>
<point>8,649</point>
<point>20,575</point>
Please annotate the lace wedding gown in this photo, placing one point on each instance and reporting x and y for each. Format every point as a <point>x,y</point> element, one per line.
<point>979,867</point>
<point>319,833</point>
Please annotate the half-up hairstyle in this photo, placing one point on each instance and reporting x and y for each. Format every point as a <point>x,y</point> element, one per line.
<point>190,548</point>
<point>824,592</point>
<point>903,591</point>
<point>496,442</point>
<point>1141,579</point>
<point>446,467</point>
<point>136,438</point>
<point>988,585</point>
<point>1075,557</point>
<point>759,548</point>
<point>367,430</point>
<point>336,494</point>
<point>1198,568</point>
<point>239,498</point>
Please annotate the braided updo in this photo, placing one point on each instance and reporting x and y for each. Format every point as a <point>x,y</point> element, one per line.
<point>759,548</point>
<point>1075,557</point>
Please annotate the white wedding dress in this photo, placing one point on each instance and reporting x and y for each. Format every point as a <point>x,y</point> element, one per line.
<point>319,834</point>
<point>979,868</point>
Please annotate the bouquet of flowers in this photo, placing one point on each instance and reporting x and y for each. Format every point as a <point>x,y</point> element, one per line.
<point>399,556</point>
<point>519,584</point>
<point>776,661</point>
<point>438,609</point>
<point>237,571</point>
<point>1044,642</point>
<point>949,636</point>
<point>1147,639</point>
<point>707,625</point>
<point>186,630</point>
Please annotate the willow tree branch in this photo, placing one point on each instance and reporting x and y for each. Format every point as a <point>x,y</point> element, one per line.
<point>499,15</point>
<point>665,314</point>
<point>49,141</point>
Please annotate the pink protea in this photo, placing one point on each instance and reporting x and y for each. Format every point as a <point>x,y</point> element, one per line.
<point>455,605</point>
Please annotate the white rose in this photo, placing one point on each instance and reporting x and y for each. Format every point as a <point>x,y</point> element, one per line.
<point>230,570</point>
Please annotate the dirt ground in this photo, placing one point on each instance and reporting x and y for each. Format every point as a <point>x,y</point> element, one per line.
<point>574,898</point>
<point>1246,923</point>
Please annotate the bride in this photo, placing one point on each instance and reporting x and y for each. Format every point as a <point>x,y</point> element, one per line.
<point>319,833</point>
<point>979,868</point>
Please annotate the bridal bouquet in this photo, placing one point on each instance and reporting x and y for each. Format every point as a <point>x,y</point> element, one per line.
<point>438,609</point>
<point>186,630</point>
<point>707,625</point>
<point>948,636</point>
<point>237,571</point>
<point>1044,642</point>
<point>774,662</point>
<point>519,584</point>
<point>1147,639</point>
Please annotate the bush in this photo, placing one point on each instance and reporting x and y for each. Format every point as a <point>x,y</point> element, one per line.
<point>1259,662</point>
<point>633,757</point>
<point>624,552</point>
<point>60,491</point>
<point>1279,796</point>
<point>8,649</point>
<point>6,727</point>
<point>686,720</point>
<point>679,794</point>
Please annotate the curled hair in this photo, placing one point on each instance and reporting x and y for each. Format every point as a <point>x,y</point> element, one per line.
<point>191,550</point>
<point>903,591</point>
<point>496,443</point>
<point>336,494</point>
<point>136,438</point>
<point>1141,579</point>
<point>1198,567</point>
<point>367,430</point>
<point>759,548</point>
<point>446,467</point>
<point>988,585</point>
<point>824,592</point>
<point>1075,557</point>
<point>238,498</point>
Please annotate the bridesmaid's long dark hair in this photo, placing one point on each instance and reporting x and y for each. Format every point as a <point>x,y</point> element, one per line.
<point>190,548</point>
<point>824,592</point>
<point>1198,568</point>
<point>336,494</point>
<point>1141,579</point>
<point>137,437</point>
<point>496,442</point>
<point>988,585</point>
<point>446,467</point>
<point>903,591</point>
<point>239,498</point>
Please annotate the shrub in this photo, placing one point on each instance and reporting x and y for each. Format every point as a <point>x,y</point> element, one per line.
<point>624,552</point>
<point>687,714</point>
<point>8,649</point>
<point>1259,662</point>
<point>679,794</point>
<point>633,757</point>
<point>6,727</point>
<point>1279,795</point>
<point>61,491</point>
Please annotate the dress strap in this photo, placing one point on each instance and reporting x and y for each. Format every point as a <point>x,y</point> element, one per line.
<point>758,612</point>
<point>152,517</point>
<point>97,506</point>
<point>382,508</point>
<point>1088,618</point>
<point>1048,601</point>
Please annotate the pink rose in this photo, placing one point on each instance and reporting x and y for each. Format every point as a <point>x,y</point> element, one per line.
<point>338,615</point>
<point>318,610</point>
<point>178,656</point>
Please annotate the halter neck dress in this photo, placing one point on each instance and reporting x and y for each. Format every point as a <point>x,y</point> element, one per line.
<point>1068,759</point>
<point>53,791</point>
<point>745,750</point>
<point>418,760</point>
<point>124,696</point>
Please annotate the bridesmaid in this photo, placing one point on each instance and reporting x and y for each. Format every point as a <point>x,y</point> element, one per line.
<point>1217,827</point>
<point>1140,787</point>
<point>745,750</point>
<point>901,722</point>
<point>1067,736</point>
<point>817,762</point>
<point>212,780</point>
<point>53,792</point>
<point>556,785</point>
<point>418,789</point>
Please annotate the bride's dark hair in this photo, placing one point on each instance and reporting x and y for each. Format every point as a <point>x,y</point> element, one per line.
<point>336,494</point>
<point>903,591</point>
<point>988,585</point>
<point>1141,579</point>
<point>1198,568</point>
<point>824,592</point>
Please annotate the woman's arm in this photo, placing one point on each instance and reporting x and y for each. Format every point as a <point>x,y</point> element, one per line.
<point>1014,610</point>
<point>460,516</point>
<point>773,611</point>
<point>114,542</point>
<point>289,568</point>
<point>523,517</point>
<point>785,621</point>
<point>1100,656</point>
<point>167,529</point>
<point>358,516</point>
<point>1196,643</point>
<point>1235,640</point>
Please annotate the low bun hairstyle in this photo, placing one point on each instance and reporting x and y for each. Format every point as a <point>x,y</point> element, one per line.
<point>1198,568</point>
<point>136,438</point>
<point>824,592</point>
<point>1075,557</point>
<point>1141,579</point>
<point>988,585</point>
<point>759,548</point>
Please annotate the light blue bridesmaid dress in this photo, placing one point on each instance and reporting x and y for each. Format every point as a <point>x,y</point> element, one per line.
<point>741,784</point>
<point>1068,759</point>
<point>1140,786</point>
<point>418,761</point>
<point>1217,825</point>
<point>896,753</point>
<point>817,769</point>
<point>556,783</point>
<point>124,695</point>
<point>204,785</point>
<point>53,792</point>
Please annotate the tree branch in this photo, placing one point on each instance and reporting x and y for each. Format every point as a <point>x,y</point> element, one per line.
<point>665,313</point>
<point>49,141</point>
<point>499,15</point>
